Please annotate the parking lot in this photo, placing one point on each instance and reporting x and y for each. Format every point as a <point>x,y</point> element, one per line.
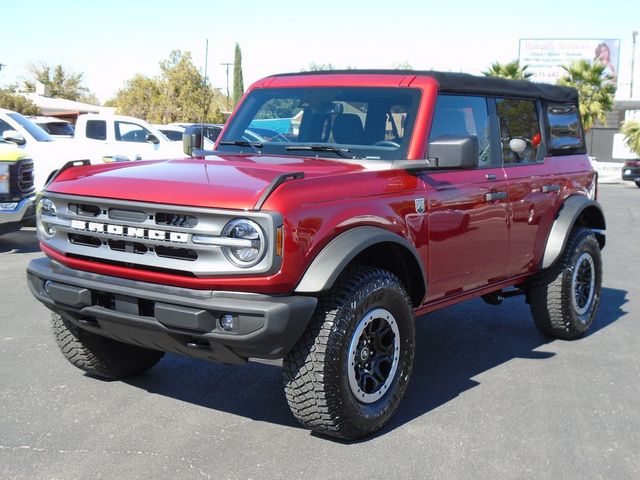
<point>489,398</point>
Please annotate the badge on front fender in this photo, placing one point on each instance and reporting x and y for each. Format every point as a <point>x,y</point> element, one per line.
<point>419,205</point>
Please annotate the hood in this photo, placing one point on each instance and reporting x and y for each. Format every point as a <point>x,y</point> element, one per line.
<point>229,181</point>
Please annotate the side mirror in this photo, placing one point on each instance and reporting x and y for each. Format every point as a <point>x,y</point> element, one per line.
<point>192,139</point>
<point>14,137</point>
<point>152,138</point>
<point>454,152</point>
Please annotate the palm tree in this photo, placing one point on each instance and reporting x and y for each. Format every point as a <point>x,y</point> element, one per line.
<point>596,90</point>
<point>511,70</point>
<point>631,131</point>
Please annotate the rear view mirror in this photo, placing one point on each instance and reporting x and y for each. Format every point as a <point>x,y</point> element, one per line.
<point>192,139</point>
<point>454,152</point>
<point>13,136</point>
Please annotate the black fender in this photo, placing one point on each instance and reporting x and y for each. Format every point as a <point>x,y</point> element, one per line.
<point>339,252</point>
<point>576,210</point>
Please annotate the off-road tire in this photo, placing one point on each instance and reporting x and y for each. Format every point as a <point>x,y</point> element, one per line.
<point>98,355</point>
<point>316,375</point>
<point>638,183</point>
<point>551,293</point>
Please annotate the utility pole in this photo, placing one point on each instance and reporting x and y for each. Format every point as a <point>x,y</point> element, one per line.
<point>227,64</point>
<point>634,34</point>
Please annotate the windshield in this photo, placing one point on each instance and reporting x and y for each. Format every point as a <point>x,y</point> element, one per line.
<point>34,130</point>
<point>345,122</point>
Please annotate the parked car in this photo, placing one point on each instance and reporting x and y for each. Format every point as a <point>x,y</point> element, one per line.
<point>47,155</point>
<point>17,192</point>
<point>123,137</point>
<point>631,171</point>
<point>55,127</point>
<point>398,194</point>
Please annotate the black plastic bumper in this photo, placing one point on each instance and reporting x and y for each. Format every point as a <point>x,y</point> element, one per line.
<point>173,319</point>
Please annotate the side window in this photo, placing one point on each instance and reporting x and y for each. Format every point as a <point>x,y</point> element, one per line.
<point>97,129</point>
<point>519,130</point>
<point>4,126</point>
<point>462,116</point>
<point>565,130</point>
<point>130,132</point>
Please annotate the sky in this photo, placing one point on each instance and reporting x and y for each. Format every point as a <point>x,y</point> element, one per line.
<point>110,41</point>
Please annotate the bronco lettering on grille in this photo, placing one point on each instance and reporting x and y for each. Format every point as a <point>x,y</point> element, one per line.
<point>132,232</point>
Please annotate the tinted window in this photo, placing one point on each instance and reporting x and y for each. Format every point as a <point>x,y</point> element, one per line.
<point>130,132</point>
<point>173,135</point>
<point>519,130</point>
<point>374,123</point>
<point>34,130</point>
<point>565,130</point>
<point>97,129</point>
<point>462,116</point>
<point>59,128</point>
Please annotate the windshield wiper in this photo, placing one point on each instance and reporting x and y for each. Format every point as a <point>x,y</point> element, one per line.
<point>243,143</point>
<point>342,152</point>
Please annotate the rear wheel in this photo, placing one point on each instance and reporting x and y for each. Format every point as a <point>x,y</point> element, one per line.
<point>347,374</point>
<point>100,356</point>
<point>564,298</point>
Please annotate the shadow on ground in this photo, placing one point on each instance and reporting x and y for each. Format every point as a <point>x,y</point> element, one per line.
<point>454,346</point>
<point>22,241</point>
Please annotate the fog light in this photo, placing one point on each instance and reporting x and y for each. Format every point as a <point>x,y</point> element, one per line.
<point>227,322</point>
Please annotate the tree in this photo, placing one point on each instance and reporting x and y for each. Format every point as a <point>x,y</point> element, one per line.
<point>402,66</point>
<point>596,90</point>
<point>62,82</point>
<point>631,131</point>
<point>318,67</point>
<point>511,70</point>
<point>16,102</point>
<point>178,94</point>
<point>238,85</point>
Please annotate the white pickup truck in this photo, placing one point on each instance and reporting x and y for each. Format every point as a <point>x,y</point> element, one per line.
<point>117,137</point>
<point>48,155</point>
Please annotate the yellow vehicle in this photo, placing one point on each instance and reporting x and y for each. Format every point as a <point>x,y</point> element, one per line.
<point>17,192</point>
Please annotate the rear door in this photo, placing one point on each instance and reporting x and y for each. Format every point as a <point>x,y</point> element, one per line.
<point>467,208</point>
<point>534,187</point>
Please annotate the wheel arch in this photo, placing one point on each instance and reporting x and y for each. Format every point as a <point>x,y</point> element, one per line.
<point>370,246</point>
<point>576,210</point>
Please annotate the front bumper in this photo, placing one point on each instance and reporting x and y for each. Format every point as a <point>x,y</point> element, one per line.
<point>631,174</point>
<point>12,219</point>
<point>172,319</point>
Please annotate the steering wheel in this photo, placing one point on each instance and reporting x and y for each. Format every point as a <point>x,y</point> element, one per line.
<point>386,143</point>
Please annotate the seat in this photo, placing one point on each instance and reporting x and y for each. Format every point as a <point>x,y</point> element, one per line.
<point>348,129</point>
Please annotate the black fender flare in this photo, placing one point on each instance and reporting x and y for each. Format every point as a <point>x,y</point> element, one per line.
<point>339,252</point>
<point>572,209</point>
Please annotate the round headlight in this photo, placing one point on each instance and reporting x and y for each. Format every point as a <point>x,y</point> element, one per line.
<point>45,208</point>
<point>251,242</point>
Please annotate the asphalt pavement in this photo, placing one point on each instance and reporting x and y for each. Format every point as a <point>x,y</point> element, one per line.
<point>490,397</point>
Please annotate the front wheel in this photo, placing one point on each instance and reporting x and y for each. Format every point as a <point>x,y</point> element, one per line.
<point>638,183</point>
<point>348,372</point>
<point>564,298</point>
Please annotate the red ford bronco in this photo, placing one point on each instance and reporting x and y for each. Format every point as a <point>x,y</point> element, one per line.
<point>337,207</point>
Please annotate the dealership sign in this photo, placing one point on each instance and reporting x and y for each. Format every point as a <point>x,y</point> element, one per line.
<point>544,56</point>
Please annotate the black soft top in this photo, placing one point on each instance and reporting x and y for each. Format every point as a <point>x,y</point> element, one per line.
<point>464,83</point>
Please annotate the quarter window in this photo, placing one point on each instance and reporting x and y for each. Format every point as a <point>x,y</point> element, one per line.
<point>462,116</point>
<point>519,130</point>
<point>565,130</point>
<point>97,129</point>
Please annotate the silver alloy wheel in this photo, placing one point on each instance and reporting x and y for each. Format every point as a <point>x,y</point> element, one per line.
<point>374,354</point>
<point>583,282</point>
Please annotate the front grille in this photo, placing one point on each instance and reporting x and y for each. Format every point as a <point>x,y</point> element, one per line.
<point>154,237</point>
<point>20,180</point>
<point>25,176</point>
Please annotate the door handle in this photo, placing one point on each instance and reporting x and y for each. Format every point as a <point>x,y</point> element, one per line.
<point>490,176</point>
<point>550,188</point>
<point>490,197</point>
